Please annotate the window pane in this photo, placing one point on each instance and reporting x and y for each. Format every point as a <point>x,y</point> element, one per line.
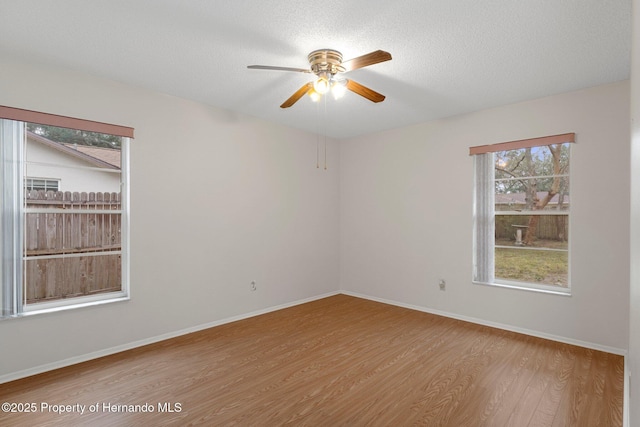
<point>80,161</point>
<point>532,248</point>
<point>58,233</point>
<point>536,161</point>
<point>533,178</point>
<point>529,194</point>
<point>48,279</point>
<point>534,231</point>
<point>532,266</point>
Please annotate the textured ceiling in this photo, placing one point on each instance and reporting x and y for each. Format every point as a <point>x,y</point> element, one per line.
<point>449,56</point>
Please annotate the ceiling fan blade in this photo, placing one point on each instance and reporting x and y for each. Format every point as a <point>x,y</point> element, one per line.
<point>364,91</point>
<point>296,96</point>
<point>268,67</point>
<point>366,60</point>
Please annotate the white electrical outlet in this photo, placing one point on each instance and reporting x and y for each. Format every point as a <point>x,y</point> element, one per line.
<point>442,284</point>
<point>253,286</point>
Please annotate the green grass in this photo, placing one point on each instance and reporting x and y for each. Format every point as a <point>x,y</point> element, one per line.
<point>542,267</point>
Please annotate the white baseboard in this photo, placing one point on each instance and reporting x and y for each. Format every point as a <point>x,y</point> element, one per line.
<point>117,349</point>
<point>626,394</point>
<point>579,343</point>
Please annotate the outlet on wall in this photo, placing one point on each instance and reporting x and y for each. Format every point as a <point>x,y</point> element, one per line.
<point>442,284</point>
<point>253,286</point>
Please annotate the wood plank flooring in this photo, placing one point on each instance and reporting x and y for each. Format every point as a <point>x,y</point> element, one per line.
<point>339,361</point>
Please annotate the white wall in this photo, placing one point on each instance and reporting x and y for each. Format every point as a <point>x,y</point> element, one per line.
<point>634,335</point>
<point>217,200</point>
<point>406,205</point>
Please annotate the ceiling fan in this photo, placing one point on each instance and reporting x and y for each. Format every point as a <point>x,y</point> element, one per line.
<point>326,64</point>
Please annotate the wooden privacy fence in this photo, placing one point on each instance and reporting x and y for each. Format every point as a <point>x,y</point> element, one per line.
<point>550,227</point>
<point>65,251</point>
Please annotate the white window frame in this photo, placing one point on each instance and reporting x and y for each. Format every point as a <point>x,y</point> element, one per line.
<point>484,217</point>
<point>47,183</point>
<point>12,212</point>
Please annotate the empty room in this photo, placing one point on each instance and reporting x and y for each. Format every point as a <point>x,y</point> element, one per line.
<point>322,214</point>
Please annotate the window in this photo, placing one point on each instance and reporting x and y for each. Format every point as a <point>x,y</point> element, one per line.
<point>521,214</point>
<point>65,239</point>
<point>44,184</point>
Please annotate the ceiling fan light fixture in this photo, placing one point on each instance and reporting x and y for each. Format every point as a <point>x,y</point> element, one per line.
<point>321,85</point>
<point>315,96</point>
<point>338,88</point>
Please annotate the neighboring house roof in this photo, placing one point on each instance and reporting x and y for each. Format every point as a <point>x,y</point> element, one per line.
<point>108,155</point>
<point>100,157</point>
<point>519,198</point>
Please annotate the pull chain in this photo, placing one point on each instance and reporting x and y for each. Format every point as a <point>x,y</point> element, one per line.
<point>324,126</point>
<point>325,133</point>
<point>317,136</point>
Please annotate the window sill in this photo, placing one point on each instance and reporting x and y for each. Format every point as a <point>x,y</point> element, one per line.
<point>43,308</point>
<point>529,287</point>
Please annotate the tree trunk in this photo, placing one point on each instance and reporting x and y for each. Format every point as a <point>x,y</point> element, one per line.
<point>560,222</point>
<point>530,236</point>
<point>531,185</point>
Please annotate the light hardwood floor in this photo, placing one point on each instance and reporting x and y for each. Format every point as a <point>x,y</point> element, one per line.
<point>338,361</point>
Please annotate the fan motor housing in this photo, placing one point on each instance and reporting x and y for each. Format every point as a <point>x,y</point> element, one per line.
<point>326,61</point>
